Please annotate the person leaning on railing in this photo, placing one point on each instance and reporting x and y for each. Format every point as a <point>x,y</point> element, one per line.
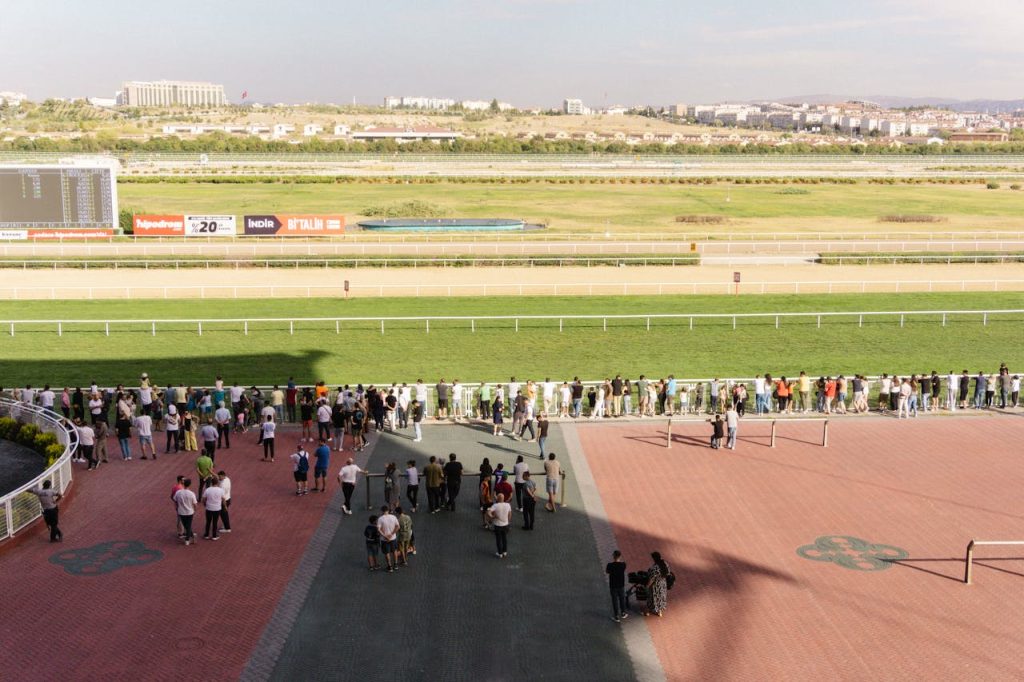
<point>48,499</point>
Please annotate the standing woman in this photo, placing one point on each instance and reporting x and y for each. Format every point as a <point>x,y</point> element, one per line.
<point>65,403</point>
<point>518,471</point>
<point>189,427</point>
<point>486,493</point>
<point>496,409</point>
<point>391,485</point>
<point>78,404</point>
<point>657,586</point>
<point>782,391</point>
<point>627,397</point>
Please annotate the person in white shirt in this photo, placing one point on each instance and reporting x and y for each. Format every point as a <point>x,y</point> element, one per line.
<point>323,421</point>
<point>404,398</point>
<point>387,526</point>
<point>86,444</point>
<point>213,502</point>
<point>95,407</point>
<point>347,478</point>
<point>457,399</point>
<point>513,388</point>
<point>499,514</point>
<point>185,500</point>
<point>144,426</point>
<point>518,469</point>
<point>759,404</point>
<point>172,424</point>
<point>146,399</point>
<point>46,398</point>
<point>421,395</point>
<point>225,485</point>
<point>732,423</point>
<point>268,411</point>
<point>548,393</point>
<point>223,418</point>
<point>28,395</point>
<point>267,429</point>
<point>412,487</point>
<point>566,400</point>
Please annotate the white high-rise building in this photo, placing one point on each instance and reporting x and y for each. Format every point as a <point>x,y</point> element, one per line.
<point>574,107</point>
<point>172,93</point>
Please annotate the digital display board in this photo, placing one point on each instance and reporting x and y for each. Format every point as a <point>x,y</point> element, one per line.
<point>57,196</point>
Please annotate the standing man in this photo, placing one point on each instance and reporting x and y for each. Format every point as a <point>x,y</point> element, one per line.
<point>542,431</point>
<point>347,478</point>
<point>435,479</point>
<point>616,399</point>
<point>732,422</point>
<point>387,526</point>
<point>277,402</point>
<point>529,501</point>
<point>209,436</point>
<point>300,470</point>
<point>453,479</point>
<point>552,473</point>
<point>323,460</point>
<point>323,420</point>
<point>48,499</point>
<point>213,502</point>
<point>267,429</point>
<point>291,395</point>
<point>223,418</point>
<point>412,486</point>
<point>417,420</point>
<point>144,427</point>
<point>442,399</point>
<point>616,571</point>
<point>499,515</point>
<point>225,485</point>
<point>185,500</point>
<point>204,468</point>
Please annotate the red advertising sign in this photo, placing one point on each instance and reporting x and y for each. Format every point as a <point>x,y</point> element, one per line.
<point>158,225</point>
<point>56,234</point>
<point>294,225</point>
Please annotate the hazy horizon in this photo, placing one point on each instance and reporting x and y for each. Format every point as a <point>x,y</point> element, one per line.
<point>527,52</point>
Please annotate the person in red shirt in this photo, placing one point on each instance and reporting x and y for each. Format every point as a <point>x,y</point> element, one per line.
<point>830,394</point>
<point>503,487</point>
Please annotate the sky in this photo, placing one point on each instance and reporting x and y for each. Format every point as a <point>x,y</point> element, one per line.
<point>527,52</point>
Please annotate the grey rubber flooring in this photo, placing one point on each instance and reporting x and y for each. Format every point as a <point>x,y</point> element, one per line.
<point>458,612</point>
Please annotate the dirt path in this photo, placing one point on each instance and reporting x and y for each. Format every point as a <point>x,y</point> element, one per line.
<point>484,281</point>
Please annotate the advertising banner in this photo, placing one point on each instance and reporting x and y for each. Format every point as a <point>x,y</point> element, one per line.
<point>294,225</point>
<point>210,225</point>
<point>158,225</point>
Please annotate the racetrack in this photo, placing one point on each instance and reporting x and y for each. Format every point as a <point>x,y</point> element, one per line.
<point>509,281</point>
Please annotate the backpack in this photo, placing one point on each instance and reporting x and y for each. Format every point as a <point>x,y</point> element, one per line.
<point>303,463</point>
<point>670,580</point>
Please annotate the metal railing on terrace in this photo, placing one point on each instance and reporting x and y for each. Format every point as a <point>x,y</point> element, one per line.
<point>491,322</point>
<point>19,507</point>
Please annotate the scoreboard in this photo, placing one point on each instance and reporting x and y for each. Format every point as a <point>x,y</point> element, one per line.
<point>58,197</point>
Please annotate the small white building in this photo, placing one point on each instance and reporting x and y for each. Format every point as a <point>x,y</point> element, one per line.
<point>312,130</point>
<point>282,129</point>
<point>574,107</point>
<point>889,128</point>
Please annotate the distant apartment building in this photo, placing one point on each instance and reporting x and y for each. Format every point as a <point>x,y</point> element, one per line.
<point>850,125</point>
<point>423,103</point>
<point>403,135</point>
<point>12,99</point>
<point>483,105</point>
<point>574,107</point>
<point>891,128</point>
<point>172,93</point>
<point>919,128</point>
<point>811,120</point>
<point>784,120</point>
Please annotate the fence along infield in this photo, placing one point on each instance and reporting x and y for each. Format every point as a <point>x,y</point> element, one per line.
<point>470,321</point>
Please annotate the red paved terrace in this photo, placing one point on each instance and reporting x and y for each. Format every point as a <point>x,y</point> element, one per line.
<point>748,607</point>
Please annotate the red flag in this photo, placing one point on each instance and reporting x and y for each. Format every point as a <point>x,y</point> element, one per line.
<point>245,94</point>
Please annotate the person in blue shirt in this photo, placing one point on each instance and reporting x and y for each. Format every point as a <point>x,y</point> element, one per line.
<point>670,395</point>
<point>323,457</point>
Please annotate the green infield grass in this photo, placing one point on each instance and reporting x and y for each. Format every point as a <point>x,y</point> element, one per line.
<point>405,351</point>
<point>618,207</point>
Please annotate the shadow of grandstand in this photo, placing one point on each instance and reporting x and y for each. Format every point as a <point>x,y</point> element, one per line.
<point>189,370</point>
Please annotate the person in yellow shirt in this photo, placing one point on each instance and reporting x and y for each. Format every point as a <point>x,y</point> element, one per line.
<point>805,391</point>
<point>277,400</point>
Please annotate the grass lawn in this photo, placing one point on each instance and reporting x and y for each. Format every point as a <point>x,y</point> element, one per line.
<point>405,352</point>
<point>615,207</point>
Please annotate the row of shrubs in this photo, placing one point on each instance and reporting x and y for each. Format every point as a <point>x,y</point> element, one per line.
<point>490,180</point>
<point>911,218</point>
<point>31,436</point>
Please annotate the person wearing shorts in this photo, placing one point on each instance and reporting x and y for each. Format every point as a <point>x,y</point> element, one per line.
<point>323,459</point>
<point>552,471</point>
<point>300,470</point>
<point>387,526</point>
<point>372,537</point>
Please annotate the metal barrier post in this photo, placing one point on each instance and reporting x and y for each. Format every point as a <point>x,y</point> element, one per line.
<point>773,433</point>
<point>561,501</point>
<point>668,439</point>
<point>969,560</point>
<point>368,504</point>
<point>824,436</point>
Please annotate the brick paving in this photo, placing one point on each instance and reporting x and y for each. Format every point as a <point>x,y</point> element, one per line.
<point>747,607</point>
<point>287,595</point>
<point>195,613</point>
